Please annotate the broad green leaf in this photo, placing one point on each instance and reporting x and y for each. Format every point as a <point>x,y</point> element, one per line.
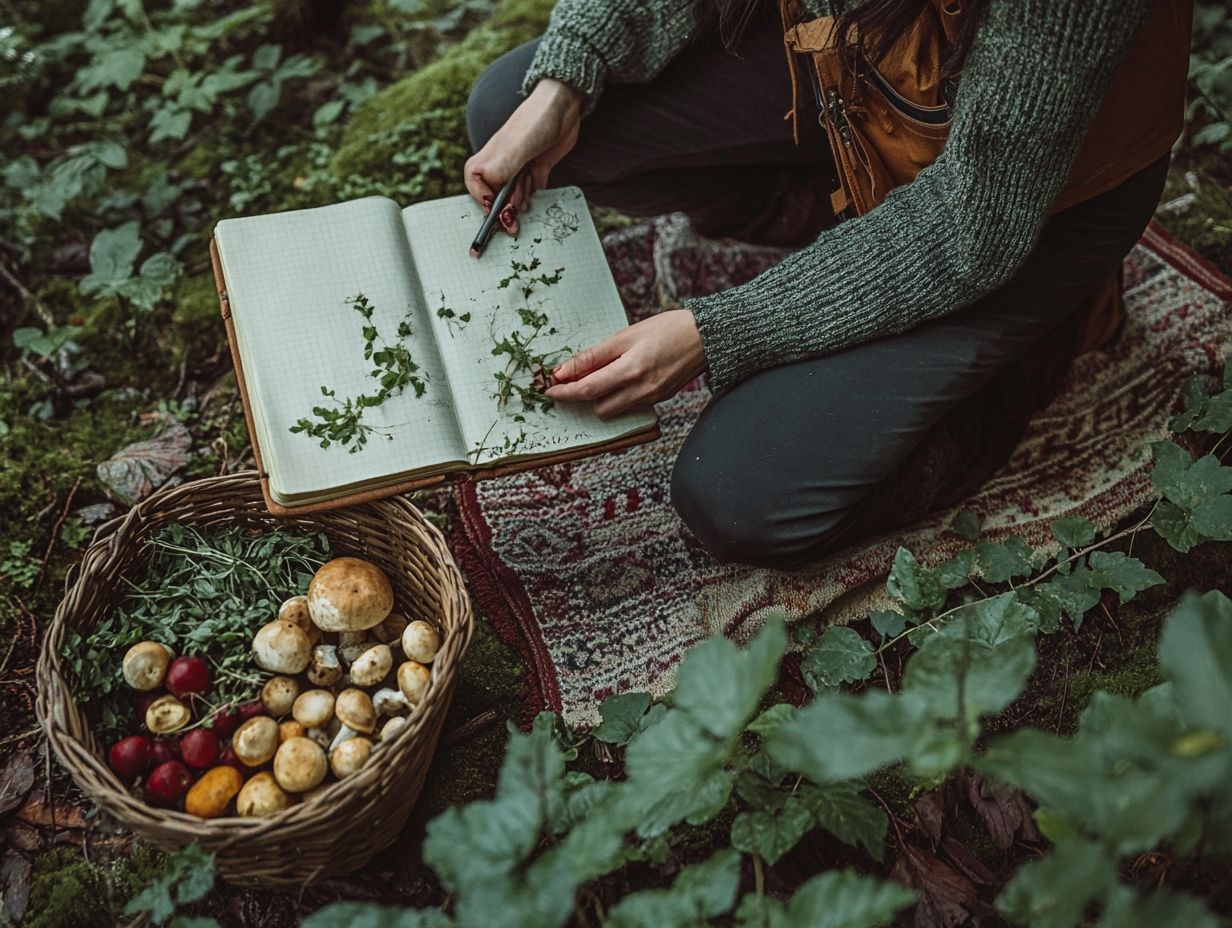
<point>1184,481</point>
<point>1129,909</point>
<point>370,915</point>
<point>678,771</point>
<point>966,524</point>
<point>1212,518</point>
<point>115,67</point>
<point>1054,891</point>
<point>1175,525</point>
<point>721,686</point>
<point>997,620</point>
<point>956,572</point>
<point>262,98</point>
<point>1195,653</point>
<point>621,715</point>
<point>913,585</point>
<point>838,656</point>
<point>1216,414</point>
<point>771,833</point>
<point>95,13</point>
<point>887,624</point>
<point>835,899</point>
<point>772,718</point>
<point>701,891</point>
<point>965,678</point>
<point>1126,576</point>
<point>1073,531</point>
<point>1004,561</point>
<point>840,809</point>
<point>1076,592</point>
<point>841,736</point>
<point>112,255</point>
<point>169,122</point>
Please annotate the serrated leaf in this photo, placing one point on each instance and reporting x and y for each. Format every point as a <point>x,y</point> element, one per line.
<point>1073,531</point>
<point>914,586</point>
<point>1175,526</point>
<point>771,833</point>
<point>621,717</point>
<point>701,891</point>
<point>1126,576</point>
<point>840,809</point>
<point>838,656</point>
<point>1054,891</point>
<point>1195,654</point>
<point>966,524</point>
<point>956,572</point>
<point>1212,518</point>
<point>678,768</point>
<point>1004,561</point>
<point>835,899</point>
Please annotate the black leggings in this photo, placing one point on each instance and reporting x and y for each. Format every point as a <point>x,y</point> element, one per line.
<point>801,459</point>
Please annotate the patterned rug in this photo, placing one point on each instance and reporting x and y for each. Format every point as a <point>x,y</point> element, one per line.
<point>586,569</point>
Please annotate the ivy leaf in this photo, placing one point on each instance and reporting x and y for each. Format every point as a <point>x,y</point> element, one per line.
<point>1073,531</point>
<point>1127,576</point>
<point>772,833</point>
<point>114,66</point>
<point>835,899</point>
<point>966,524</point>
<point>622,715</point>
<point>1076,592</point>
<point>1185,481</point>
<point>1054,891</point>
<point>1000,563</point>
<point>1195,653</point>
<point>701,891</point>
<point>840,809</point>
<point>887,624</point>
<point>1216,414</point>
<point>1212,518</point>
<point>913,585</point>
<point>839,656</point>
<point>1175,526</point>
<point>957,570</point>
<point>720,686</point>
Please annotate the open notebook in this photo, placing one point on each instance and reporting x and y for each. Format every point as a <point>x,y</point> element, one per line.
<point>450,343</point>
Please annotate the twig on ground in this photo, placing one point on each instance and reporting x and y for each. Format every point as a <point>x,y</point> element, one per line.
<point>469,729</point>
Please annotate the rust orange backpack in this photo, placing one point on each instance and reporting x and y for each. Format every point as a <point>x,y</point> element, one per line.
<point>886,122</point>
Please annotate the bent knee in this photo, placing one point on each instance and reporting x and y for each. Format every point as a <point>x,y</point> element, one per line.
<point>496,93</point>
<point>759,525</point>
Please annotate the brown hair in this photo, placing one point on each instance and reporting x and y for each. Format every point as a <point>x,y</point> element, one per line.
<point>878,23</point>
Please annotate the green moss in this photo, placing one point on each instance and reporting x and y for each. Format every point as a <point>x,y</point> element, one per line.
<point>409,141</point>
<point>68,891</point>
<point>197,329</point>
<point>1205,224</point>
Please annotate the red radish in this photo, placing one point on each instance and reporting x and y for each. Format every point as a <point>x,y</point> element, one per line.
<point>228,759</point>
<point>225,722</point>
<point>163,750</point>
<point>188,675</point>
<point>251,709</point>
<point>167,783</point>
<point>199,748</point>
<point>130,757</point>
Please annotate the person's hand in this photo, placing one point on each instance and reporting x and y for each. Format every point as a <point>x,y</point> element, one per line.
<point>537,135</point>
<point>638,366</point>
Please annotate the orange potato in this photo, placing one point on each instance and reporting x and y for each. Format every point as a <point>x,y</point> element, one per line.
<point>210,796</point>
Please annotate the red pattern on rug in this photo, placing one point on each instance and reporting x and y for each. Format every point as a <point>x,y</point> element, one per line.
<point>587,571</point>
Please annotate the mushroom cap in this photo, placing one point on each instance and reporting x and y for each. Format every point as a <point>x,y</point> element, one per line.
<point>278,695</point>
<point>282,647</point>
<point>255,741</point>
<point>391,726</point>
<point>349,594</point>
<point>371,667</point>
<point>145,665</point>
<point>391,629</point>
<point>295,610</point>
<point>420,642</point>
<point>261,795</point>
<point>299,765</point>
<point>353,709</point>
<point>166,714</point>
<point>413,680</point>
<point>351,645</point>
<point>349,756</point>
<point>313,708</point>
<point>290,729</point>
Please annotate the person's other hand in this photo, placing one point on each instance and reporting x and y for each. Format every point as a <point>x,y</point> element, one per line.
<point>537,135</point>
<point>638,366</point>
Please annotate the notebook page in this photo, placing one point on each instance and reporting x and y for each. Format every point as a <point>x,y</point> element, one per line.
<point>289,276</point>
<point>584,307</point>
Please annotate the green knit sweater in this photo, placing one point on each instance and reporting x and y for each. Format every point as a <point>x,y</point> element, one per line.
<point>1031,84</point>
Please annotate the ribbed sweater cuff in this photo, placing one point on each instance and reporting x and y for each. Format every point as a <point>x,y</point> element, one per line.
<point>570,58</point>
<point>728,350</point>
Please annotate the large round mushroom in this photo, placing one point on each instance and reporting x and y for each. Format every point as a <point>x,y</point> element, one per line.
<point>348,594</point>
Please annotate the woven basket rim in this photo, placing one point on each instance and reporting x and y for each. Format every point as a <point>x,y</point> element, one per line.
<point>112,542</point>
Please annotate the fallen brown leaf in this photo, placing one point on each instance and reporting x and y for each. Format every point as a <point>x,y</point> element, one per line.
<point>16,779</point>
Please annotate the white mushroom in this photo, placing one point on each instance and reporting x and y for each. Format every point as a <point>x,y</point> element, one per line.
<point>290,729</point>
<point>256,740</point>
<point>295,610</point>
<point>166,714</point>
<point>314,708</point>
<point>349,756</point>
<point>413,680</point>
<point>344,734</point>
<point>282,647</point>
<point>371,667</point>
<point>349,594</point>
<point>386,701</point>
<point>390,631</point>
<point>326,669</point>
<point>145,665</point>
<point>278,695</point>
<point>420,642</point>
<point>353,708</point>
<point>320,735</point>
<point>300,764</point>
<point>261,796</point>
<point>391,727</point>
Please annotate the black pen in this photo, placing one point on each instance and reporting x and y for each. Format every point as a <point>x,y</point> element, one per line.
<point>489,222</point>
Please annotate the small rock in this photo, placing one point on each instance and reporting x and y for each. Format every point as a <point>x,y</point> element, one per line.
<point>15,872</point>
<point>95,513</point>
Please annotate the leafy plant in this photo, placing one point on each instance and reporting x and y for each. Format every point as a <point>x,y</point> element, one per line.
<point>187,878</point>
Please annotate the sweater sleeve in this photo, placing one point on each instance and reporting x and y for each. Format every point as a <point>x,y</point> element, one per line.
<point>589,42</point>
<point>1033,80</point>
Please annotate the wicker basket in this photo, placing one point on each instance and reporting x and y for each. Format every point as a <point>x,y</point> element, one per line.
<point>343,827</point>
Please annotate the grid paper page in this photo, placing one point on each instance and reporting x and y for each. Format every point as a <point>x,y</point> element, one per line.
<point>289,276</point>
<point>584,307</point>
